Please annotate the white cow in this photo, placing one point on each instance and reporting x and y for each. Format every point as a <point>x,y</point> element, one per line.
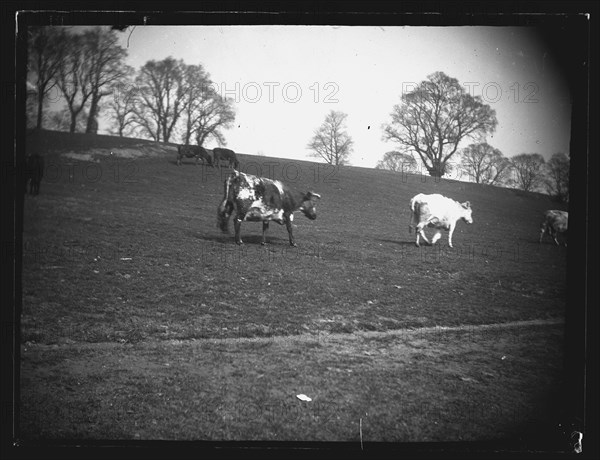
<point>555,222</point>
<point>439,212</point>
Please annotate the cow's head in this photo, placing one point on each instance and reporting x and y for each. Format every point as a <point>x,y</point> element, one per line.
<point>308,207</point>
<point>467,212</point>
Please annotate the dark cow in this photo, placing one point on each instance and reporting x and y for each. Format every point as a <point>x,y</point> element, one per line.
<point>226,155</point>
<point>33,173</point>
<point>258,199</point>
<point>193,151</point>
<point>555,223</point>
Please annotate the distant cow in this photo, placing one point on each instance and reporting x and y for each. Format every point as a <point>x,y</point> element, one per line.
<point>439,212</point>
<point>193,151</point>
<point>33,173</point>
<point>258,199</point>
<point>555,223</point>
<point>225,155</point>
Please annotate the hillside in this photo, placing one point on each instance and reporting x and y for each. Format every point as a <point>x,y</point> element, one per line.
<point>141,233</point>
<point>141,320</point>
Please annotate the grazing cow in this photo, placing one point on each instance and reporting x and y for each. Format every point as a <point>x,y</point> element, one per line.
<point>225,154</point>
<point>34,171</point>
<point>555,223</point>
<point>438,212</point>
<point>193,151</point>
<point>258,199</point>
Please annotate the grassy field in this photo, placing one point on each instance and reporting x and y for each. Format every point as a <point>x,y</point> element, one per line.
<point>141,320</point>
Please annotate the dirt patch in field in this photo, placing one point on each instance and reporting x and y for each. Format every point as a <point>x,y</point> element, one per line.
<point>130,152</point>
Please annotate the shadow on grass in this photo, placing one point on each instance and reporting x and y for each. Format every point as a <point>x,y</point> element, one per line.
<point>229,239</point>
<point>397,242</point>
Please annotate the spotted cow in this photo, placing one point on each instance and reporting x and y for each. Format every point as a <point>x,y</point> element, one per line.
<point>555,223</point>
<point>258,199</point>
<point>439,212</point>
<point>193,151</point>
<point>225,155</point>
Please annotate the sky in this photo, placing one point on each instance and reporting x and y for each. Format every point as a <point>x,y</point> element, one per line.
<point>285,79</point>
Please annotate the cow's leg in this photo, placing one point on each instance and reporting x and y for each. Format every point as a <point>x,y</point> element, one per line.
<point>546,229</point>
<point>237,224</point>
<point>264,235</point>
<point>178,161</point>
<point>450,232</point>
<point>413,221</point>
<point>288,225</point>
<point>436,237</point>
<point>555,238</point>
<point>421,233</point>
<point>223,213</point>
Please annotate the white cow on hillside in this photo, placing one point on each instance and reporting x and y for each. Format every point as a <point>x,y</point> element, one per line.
<point>439,212</point>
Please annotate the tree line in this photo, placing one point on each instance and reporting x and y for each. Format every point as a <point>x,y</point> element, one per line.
<point>161,100</point>
<point>430,124</point>
<point>169,98</point>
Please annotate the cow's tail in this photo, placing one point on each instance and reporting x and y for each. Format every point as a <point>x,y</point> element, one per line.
<point>414,208</point>
<point>226,207</point>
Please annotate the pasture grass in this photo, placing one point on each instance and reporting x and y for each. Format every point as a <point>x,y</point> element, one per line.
<point>246,389</point>
<point>126,274</point>
<point>137,255</point>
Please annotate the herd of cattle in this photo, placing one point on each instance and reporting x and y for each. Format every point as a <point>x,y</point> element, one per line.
<point>209,157</point>
<point>259,199</point>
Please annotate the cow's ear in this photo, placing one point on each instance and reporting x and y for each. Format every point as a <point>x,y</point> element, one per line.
<point>466,204</point>
<point>311,195</point>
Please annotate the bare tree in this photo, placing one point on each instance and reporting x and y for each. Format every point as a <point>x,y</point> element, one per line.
<point>104,65</point>
<point>206,113</point>
<point>197,89</point>
<point>397,162</point>
<point>73,78</point>
<point>214,114</point>
<point>435,117</point>
<point>45,54</point>
<point>331,142</point>
<point>31,106</point>
<point>528,171</point>
<point>122,105</point>
<point>485,164</point>
<point>557,176</point>
<point>161,99</point>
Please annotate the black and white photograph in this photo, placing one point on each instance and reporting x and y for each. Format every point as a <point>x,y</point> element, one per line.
<point>292,230</point>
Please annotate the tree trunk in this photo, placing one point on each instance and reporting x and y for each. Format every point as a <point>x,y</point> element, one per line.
<point>92,123</point>
<point>73,123</point>
<point>40,110</point>
<point>438,169</point>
